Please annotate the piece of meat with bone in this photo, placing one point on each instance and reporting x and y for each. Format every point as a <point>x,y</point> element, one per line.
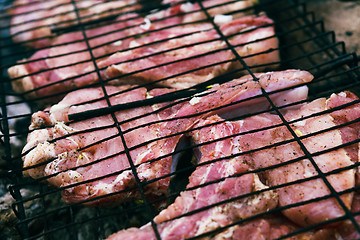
<point>68,152</point>
<point>45,72</point>
<point>33,21</point>
<point>182,62</point>
<point>171,51</point>
<point>221,185</point>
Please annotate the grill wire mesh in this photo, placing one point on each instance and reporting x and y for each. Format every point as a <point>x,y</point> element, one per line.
<point>38,211</point>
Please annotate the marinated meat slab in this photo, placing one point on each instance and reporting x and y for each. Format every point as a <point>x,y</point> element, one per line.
<point>91,150</point>
<point>32,20</point>
<point>190,47</point>
<point>203,192</point>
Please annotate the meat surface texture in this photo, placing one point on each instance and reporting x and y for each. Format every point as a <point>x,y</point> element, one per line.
<point>223,145</point>
<point>126,52</point>
<point>32,21</point>
<point>94,150</point>
<point>222,11</point>
<point>54,70</point>
<point>204,192</point>
<point>182,62</point>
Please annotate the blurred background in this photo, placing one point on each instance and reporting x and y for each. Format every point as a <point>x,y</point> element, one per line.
<point>342,17</point>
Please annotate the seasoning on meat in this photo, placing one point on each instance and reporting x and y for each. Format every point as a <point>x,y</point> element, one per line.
<point>256,143</point>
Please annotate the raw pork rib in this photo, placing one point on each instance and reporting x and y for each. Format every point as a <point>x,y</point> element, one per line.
<point>189,60</point>
<point>50,74</point>
<point>70,152</point>
<point>32,20</point>
<point>69,58</point>
<point>230,186</point>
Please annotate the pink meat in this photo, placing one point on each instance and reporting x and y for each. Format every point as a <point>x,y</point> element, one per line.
<point>32,20</point>
<point>202,196</point>
<point>70,159</point>
<point>350,132</point>
<point>181,12</point>
<point>186,61</point>
<point>48,72</point>
<point>56,69</point>
<point>312,213</point>
<point>347,229</point>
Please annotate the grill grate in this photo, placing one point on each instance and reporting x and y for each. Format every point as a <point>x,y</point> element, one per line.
<point>38,209</point>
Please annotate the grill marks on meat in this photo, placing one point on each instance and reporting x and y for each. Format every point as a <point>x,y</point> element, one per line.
<point>68,153</point>
<point>195,49</point>
<point>232,184</point>
<point>32,20</point>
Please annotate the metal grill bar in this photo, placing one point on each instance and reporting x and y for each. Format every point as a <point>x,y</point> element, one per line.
<point>127,152</point>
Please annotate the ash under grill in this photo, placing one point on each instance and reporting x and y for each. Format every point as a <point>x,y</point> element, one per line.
<point>150,46</point>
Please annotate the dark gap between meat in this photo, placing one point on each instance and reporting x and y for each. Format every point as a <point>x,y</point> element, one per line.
<point>182,166</point>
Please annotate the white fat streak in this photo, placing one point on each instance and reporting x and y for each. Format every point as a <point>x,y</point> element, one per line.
<point>146,25</point>
<point>121,177</point>
<point>132,44</point>
<point>309,171</point>
<point>148,95</point>
<point>36,137</point>
<point>342,94</point>
<point>145,171</point>
<point>63,128</point>
<point>230,170</point>
<point>195,100</point>
<point>212,222</point>
<point>42,152</point>
<point>118,43</point>
<point>186,7</point>
<point>300,123</point>
<point>59,107</point>
<point>221,19</point>
<point>103,188</point>
<point>144,153</point>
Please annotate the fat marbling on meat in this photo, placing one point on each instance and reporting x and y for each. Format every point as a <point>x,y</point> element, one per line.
<point>68,58</point>
<point>181,12</point>
<point>192,46</point>
<point>68,153</point>
<point>189,60</point>
<point>223,146</point>
<point>202,191</point>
